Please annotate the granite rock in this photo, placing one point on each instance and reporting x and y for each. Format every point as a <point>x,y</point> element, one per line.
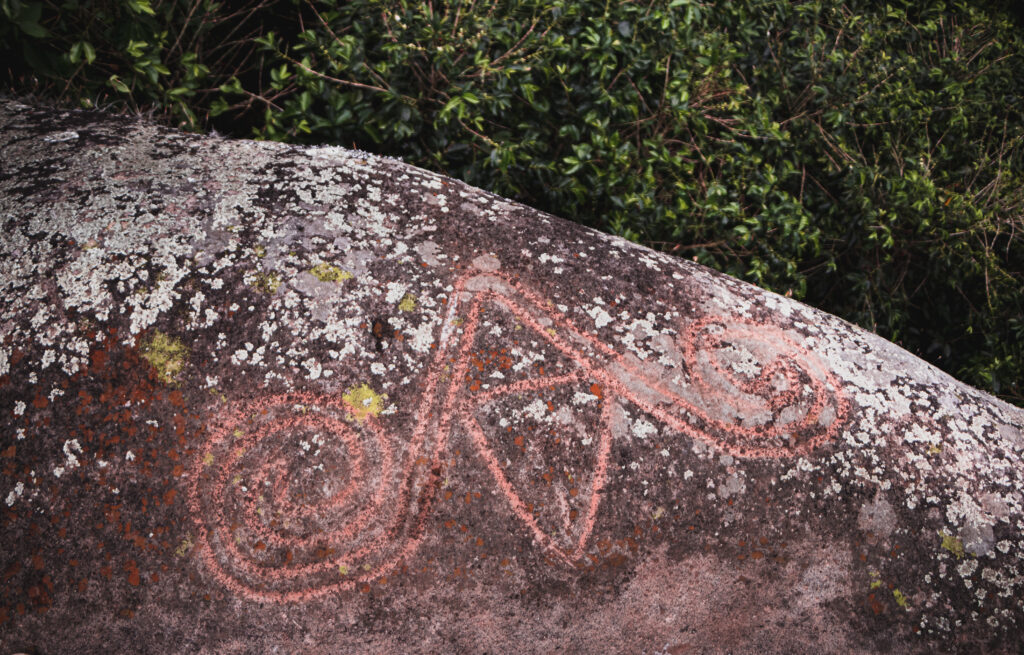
<point>261,398</point>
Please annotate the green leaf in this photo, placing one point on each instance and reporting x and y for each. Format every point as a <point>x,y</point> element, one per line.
<point>118,85</point>
<point>234,85</point>
<point>136,48</point>
<point>141,7</point>
<point>218,107</point>
<point>449,106</point>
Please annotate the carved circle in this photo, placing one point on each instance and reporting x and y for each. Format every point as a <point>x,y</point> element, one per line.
<point>764,394</point>
<point>293,498</point>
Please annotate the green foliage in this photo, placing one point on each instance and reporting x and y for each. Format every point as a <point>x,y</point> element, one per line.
<point>865,157</point>
<point>137,55</point>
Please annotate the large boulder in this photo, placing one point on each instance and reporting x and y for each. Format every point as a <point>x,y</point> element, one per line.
<point>262,398</point>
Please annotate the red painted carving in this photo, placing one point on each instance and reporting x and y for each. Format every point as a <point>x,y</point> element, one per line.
<point>273,526</point>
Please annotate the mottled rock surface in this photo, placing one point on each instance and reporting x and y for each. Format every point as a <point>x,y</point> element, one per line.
<point>260,398</point>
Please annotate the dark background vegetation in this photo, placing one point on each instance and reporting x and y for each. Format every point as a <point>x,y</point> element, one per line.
<point>865,157</point>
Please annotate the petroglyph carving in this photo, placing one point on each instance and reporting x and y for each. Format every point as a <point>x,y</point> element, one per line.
<point>275,527</point>
<point>278,527</point>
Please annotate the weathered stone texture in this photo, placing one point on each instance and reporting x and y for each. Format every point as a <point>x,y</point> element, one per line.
<point>264,398</point>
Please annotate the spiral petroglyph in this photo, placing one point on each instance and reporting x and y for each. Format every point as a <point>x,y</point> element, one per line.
<point>296,497</point>
<point>300,494</point>
<point>762,393</point>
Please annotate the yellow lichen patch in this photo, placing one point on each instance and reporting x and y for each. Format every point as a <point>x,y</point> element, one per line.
<point>267,282</point>
<point>207,459</point>
<point>184,546</point>
<point>952,544</point>
<point>328,273</point>
<point>901,599</point>
<point>342,569</point>
<point>364,401</point>
<point>260,251</point>
<point>408,303</point>
<point>165,354</point>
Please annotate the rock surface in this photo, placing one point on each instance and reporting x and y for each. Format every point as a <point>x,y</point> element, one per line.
<point>264,398</point>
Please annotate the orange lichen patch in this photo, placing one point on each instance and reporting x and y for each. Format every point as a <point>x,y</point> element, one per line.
<point>133,573</point>
<point>616,560</point>
<point>493,359</point>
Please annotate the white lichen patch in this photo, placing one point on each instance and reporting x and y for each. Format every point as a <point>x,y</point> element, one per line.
<point>643,429</point>
<point>15,493</point>
<point>600,316</point>
<point>537,410</point>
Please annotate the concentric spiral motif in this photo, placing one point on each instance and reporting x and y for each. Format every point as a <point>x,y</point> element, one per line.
<point>295,498</point>
<point>298,495</point>
<point>762,394</point>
